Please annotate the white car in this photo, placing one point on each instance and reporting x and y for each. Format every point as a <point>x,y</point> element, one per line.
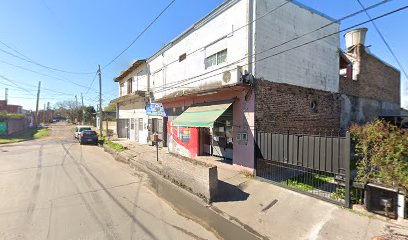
<point>79,129</point>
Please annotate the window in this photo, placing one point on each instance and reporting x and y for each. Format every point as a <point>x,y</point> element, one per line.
<point>129,86</point>
<point>132,123</point>
<point>141,124</point>
<point>182,57</point>
<point>216,59</point>
<point>222,57</point>
<point>122,85</point>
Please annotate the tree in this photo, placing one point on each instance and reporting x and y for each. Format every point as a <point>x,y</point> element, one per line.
<point>382,151</point>
<point>67,109</point>
<point>70,110</point>
<point>88,114</point>
<point>110,108</point>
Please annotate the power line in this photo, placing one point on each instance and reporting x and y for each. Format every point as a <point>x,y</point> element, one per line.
<point>43,74</point>
<point>8,80</point>
<point>18,86</point>
<point>293,39</point>
<point>140,34</point>
<point>233,31</point>
<point>26,59</point>
<point>385,41</point>
<point>284,51</point>
<point>93,80</point>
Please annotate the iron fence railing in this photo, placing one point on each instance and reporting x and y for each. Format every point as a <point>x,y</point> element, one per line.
<point>314,165</point>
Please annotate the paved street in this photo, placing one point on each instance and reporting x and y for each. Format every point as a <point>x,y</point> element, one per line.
<point>53,188</point>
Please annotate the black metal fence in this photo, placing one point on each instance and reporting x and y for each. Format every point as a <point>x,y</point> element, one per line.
<point>315,165</point>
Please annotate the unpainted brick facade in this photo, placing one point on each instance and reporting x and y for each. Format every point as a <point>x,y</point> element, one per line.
<point>375,80</point>
<point>16,125</point>
<point>282,107</point>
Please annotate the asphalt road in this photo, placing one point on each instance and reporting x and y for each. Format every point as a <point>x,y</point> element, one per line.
<point>54,188</point>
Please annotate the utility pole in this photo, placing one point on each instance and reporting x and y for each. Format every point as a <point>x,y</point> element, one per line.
<point>83,110</point>
<point>76,101</point>
<point>38,101</point>
<point>48,112</point>
<point>82,99</point>
<point>100,100</point>
<point>44,113</point>
<point>6,95</point>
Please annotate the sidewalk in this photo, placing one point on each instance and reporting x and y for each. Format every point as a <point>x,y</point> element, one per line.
<point>279,213</point>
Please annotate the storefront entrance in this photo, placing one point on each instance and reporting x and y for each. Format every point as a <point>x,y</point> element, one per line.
<point>156,126</point>
<point>203,130</point>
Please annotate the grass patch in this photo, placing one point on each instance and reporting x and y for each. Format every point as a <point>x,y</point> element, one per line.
<point>101,138</point>
<point>355,196</point>
<point>247,174</point>
<point>40,133</point>
<point>27,135</point>
<point>115,146</point>
<point>307,182</point>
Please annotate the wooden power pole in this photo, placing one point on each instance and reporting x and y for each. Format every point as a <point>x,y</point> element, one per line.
<point>100,100</point>
<point>82,99</point>
<point>38,102</point>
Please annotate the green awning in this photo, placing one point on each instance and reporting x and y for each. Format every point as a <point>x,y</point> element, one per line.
<point>200,116</point>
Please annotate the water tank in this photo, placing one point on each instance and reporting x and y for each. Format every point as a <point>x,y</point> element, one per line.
<point>355,37</point>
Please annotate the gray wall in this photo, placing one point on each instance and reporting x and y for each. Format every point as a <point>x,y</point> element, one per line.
<point>314,65</point>
<point>361,110</point>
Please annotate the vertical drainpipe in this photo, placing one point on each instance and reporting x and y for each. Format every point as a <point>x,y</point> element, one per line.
<point>251,47</point>
<point>250,19</point>
<point>149,91</point>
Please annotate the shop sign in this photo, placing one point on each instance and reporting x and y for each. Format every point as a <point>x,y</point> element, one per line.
<point>155,109</point>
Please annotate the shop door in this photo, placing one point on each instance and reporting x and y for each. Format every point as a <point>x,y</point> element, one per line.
<point>136,129</point>
<point>122,128</point>
<point>132,131</point>
<point>157,127</point>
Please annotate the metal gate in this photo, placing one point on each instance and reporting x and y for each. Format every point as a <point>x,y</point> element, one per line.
<point>314,165</point>
<point>122,128</point>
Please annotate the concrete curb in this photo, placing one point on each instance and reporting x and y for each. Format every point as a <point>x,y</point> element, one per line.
<point>200,179</point>
<point>119,156</point>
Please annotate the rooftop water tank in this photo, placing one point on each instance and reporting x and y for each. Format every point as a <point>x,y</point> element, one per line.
<point>355,37</point>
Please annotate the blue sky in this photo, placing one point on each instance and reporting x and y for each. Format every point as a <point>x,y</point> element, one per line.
<point>78,35</point>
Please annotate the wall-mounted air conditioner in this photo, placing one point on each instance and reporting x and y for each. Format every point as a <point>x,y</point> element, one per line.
<point>232,76</point>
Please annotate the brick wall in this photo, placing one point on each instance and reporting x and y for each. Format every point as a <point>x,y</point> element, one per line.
<point>376,80</point>
<point>282,107</point>
<point>14,109</point>
<point>16,125</point>
<point>3,106</point>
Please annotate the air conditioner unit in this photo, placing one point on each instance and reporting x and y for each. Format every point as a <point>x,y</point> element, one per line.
<point>232,76</point>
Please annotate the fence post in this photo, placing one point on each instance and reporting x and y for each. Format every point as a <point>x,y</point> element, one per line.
<point>256,151</point>
<point>347,153</point>
<point>287,147</point>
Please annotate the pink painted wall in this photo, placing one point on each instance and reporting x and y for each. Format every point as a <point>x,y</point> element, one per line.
<point>243,118</point>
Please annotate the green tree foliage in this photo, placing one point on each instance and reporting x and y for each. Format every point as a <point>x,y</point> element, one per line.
<point>11,115</point>
<point>382,151</point>
<point>110,108</point>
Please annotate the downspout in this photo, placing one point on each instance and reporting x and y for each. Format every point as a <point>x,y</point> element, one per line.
<point>251,71</point>
<point>149,90</point>
<point>250,19</point>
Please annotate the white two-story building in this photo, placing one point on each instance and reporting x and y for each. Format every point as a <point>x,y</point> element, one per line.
<point>219,80</point>
<point>131,116</point>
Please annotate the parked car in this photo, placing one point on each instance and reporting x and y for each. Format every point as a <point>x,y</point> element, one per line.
<point>79,129</point>
<point>88,136</point>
